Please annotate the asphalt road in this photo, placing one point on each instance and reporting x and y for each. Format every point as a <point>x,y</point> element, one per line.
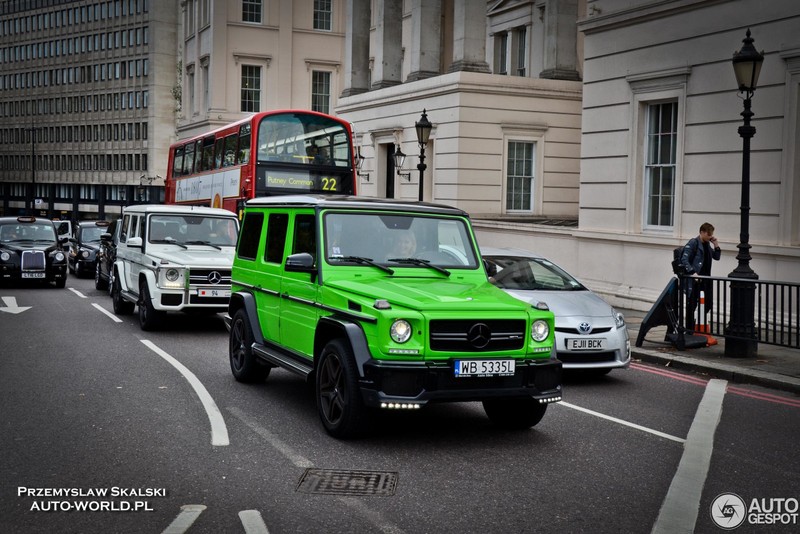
<point>99,417</point>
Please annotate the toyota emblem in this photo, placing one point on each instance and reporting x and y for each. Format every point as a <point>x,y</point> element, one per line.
<point>584,328</point>
<point>214,277</point>
<point>479,335</point>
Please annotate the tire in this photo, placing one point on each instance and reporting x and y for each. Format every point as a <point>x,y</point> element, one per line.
<point>99,282</point>
<point>121,306</point>
<point>514,413</point>
<point>244,365</point>
<point>339,401</point>
<point>149,317</point>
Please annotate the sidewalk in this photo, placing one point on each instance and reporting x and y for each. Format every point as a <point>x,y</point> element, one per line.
<point>774,367</point>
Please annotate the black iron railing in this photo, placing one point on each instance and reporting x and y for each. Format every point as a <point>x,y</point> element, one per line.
<point>776,309</point>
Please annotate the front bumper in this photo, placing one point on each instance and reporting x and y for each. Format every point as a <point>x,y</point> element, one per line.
<point>192,299</point>
<point>418,383</point>
<point>615,355</point>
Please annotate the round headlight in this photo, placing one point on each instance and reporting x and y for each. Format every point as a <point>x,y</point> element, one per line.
<point>172,274</point>
<point>84,253</point>
<point>539,330</point>
<point>59,256</point>
<point>400,331</point>
<point>5,256</point>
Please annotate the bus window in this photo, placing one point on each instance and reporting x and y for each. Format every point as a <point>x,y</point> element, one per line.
<point>230,150</point>
<point>188,159</point>
<point>219,148</point>
<point>208,153</point>
<point>244,144</point>
<point>198,156</point>
<point>177,164</point>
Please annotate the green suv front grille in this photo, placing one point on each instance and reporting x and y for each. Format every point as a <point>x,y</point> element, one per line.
<point>475,335</point>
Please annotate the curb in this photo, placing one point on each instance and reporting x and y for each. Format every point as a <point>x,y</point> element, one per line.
<point>731,373</point>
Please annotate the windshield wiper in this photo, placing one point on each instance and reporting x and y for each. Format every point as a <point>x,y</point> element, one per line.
<point>362,261</point>
<point>169,241</point>
<point>423,263</point>
<point>199,242</point>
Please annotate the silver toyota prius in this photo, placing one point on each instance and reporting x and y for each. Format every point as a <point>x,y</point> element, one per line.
<point>590,334</point>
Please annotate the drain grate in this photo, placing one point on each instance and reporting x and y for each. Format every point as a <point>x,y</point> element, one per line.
<point>341,482</point>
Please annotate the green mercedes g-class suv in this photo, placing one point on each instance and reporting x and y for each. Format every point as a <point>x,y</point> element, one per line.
<point>385,305</point>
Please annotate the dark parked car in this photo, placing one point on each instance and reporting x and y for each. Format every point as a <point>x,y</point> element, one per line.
<point>85,245</point>
<point>30,250</point>
<point>106,256</point>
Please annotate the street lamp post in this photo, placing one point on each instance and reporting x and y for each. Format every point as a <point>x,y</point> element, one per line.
<point>742,329</point>
<point>423,127</point>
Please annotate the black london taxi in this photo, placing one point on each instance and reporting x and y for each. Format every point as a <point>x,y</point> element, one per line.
<point>84,247</point>
<point>30,251</point>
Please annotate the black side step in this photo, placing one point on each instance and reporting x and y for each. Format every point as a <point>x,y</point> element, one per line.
<point>290,362</point>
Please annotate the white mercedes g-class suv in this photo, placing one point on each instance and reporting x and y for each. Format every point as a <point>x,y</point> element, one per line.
<point>173,258</point>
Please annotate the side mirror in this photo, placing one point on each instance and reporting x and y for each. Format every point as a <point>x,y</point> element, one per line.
<point>302,262</point>
<point>135,242</point>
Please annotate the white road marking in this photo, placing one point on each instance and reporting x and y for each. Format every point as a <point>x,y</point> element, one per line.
<point>621,421</point>
<point>219,432</point>
<point>108,313</point>
<point>681,505</point>
<point>81,295</point>
<point>252,522</point>
<point>371,515</point>
<point>189,513</point>
<point>11,306</point>
<point>297,459</point>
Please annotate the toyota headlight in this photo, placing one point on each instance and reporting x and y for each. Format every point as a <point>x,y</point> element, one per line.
<point>540,330</point>
<point>619,319</point>
<point>400,331</point>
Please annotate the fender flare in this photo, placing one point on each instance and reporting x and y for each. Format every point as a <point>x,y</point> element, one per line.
<point>352,332</point>
<point>119,271</point>
<point>246,300</point>
<point>150,280</point>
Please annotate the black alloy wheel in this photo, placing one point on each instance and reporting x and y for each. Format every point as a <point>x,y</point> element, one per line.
<point>244,365</point>
<point>121,306</point>
<point>339,401</point>
<point>149,317</point>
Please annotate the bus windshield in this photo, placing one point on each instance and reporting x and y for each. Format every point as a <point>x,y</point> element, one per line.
<point>303,153</point>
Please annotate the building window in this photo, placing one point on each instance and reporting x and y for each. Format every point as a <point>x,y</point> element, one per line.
<point>521,37</point>
<point>520,173</point>
<point>321,91</point>
<point>661,164</point>
<point>251,11</point>
<point>510,52</point>
<point>251,88</point>
<point>323,15</point>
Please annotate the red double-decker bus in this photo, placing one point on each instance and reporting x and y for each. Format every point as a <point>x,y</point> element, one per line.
<point>269,153</point>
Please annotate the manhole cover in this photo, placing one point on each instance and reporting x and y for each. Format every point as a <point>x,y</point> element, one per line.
<point>335,482</point>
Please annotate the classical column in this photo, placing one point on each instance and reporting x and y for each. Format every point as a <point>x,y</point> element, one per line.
<point>356,54</point>
<point>426,31</point>
<point>469,36</point>
<point>560,40</point>
<point>388,66</point>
